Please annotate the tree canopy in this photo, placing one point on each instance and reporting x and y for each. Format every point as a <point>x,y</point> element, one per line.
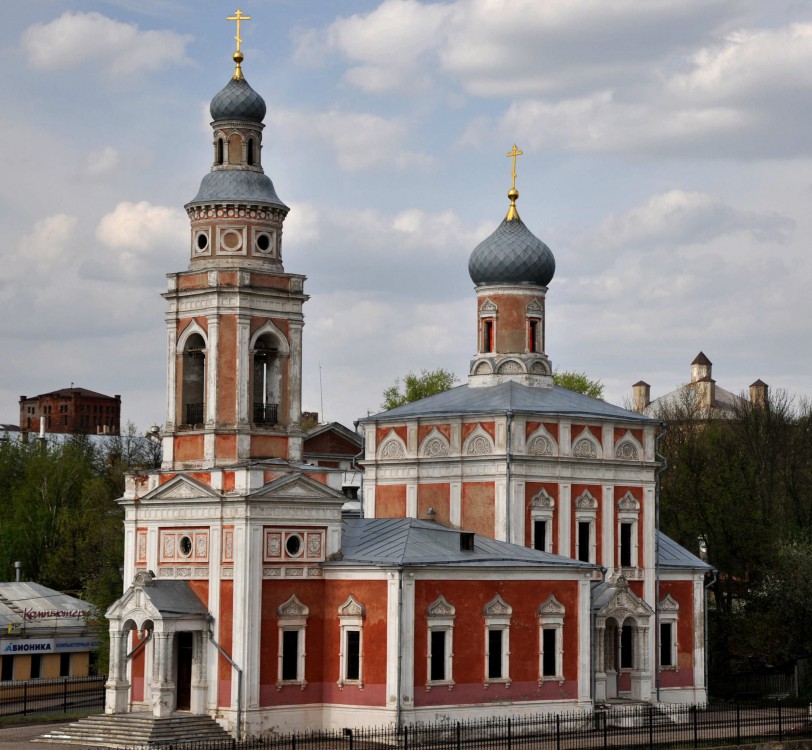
<point>414,387</point>
<point>579,382</point>
<point>739,490</point>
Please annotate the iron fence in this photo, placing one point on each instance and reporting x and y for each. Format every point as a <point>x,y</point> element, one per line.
<point>626,728</point>
<point>64,695</point>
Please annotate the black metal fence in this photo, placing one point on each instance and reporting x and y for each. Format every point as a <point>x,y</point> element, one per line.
<point>63,695</point>
<point>629,728</point>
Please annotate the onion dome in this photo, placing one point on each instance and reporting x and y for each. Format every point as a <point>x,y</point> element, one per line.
<point>512,254</point>
<point>238,101</point>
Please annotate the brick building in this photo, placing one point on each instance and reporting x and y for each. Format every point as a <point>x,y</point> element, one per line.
<point>70,411</point>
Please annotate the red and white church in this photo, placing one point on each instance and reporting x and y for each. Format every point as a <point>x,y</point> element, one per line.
<point>507,559</point>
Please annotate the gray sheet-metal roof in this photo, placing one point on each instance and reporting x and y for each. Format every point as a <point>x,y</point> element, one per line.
<point>408,541</point>
<point>16,597</point>
<point>674,556</point>
<point>511,396</point>
<point>174,598</point>
<point>237,185</point>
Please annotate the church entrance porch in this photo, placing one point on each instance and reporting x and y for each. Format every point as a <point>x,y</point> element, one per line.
<point>171,623</point>
<point>621,643</point>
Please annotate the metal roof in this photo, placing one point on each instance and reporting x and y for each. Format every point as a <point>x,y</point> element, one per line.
<point>237,101</point>
<point>408,541</point>
<point>17,596</point>
<point>237,185</point>
<point>511,396</point>
<point>674,556</point>
<point>174,598</point>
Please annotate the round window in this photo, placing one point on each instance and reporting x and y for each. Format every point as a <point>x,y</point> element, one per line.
<point>185,546</point>
<point>202,241</point>
<point>263,242</point>
<point>293,545</point>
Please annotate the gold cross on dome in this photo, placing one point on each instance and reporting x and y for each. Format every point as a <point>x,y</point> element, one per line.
<point>238,16</point>
<point>514,152</point>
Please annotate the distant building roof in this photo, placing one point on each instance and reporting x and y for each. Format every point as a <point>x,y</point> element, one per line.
<point>513,397</point>
<point>408,541</point>
<point>34,606</point>
<point>68,392</point>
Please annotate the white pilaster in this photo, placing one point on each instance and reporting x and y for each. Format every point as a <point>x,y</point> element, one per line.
<point>564,517</point>
<point>295,373</point>
<point>211,369</point>
<point>584,638</point>
<point>244,362</point>
<point>455,503</point>
<point>608,531</point>
<point>411,500</point>
<point>407,642</point>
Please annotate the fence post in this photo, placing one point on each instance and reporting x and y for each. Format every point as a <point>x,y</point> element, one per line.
<point>558,732</point>
<point>405,738</point>
<point>696,727</point>
<point>64,696</point>
<point>605,730</point>
<point>25,699</point>
<point>510,736</point>
<point>651,727</point>
<point>738,724</point>
<point>293,742</point>
<point>780,726</point>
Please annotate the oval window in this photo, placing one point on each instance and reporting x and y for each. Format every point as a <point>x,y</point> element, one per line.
<point>263,242</point>
<point>202,241</point>
<point>293,545</point>
<point>185,546</point>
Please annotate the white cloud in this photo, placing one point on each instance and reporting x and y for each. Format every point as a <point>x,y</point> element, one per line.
<point>359,140</point>
<point>44,248</point>
<point>77,38</point>
<point>679,217</point>
<point>102,162</point>
<point>144,236</point>
<point>302,224</point>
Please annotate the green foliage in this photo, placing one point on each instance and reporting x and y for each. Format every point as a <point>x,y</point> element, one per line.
<point>578,382</point>
<point>741,488</point>
<point>59,516</point>
<point>415,387</point>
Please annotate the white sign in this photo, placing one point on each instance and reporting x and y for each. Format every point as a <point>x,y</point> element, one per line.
<point>47,645</point>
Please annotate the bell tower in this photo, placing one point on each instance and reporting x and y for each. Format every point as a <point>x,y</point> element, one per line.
<point>234,319</point>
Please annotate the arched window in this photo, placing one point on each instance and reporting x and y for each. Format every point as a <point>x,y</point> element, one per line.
<point>250,158</point>
<point>266,374</point>
<point>194,380</point>
<point>219,150</point>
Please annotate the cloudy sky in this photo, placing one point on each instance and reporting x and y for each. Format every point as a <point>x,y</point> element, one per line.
<point>667,153</point>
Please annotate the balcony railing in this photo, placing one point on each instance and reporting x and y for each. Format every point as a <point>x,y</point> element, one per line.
<point>265,413</point>
<point>194,414</point>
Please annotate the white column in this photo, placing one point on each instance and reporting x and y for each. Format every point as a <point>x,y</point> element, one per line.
<point>117,688</point>
<point>163,686</point>
<point>244,362</point>
<point>564,519</point>
<point>210,416</point>
<point>295,372</point>
<point>584,638</point>
<point>171,371</point>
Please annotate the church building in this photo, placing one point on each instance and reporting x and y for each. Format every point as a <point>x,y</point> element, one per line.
<point>506,560</point>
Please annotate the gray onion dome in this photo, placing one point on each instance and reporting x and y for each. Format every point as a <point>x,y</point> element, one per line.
<point>238,101</point>
<point>512,255</point>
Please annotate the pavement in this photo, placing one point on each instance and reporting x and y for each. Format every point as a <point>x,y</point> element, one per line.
<point>22,737</point>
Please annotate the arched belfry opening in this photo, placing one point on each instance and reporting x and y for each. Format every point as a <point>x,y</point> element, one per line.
<point>267,376</point>
<point>193,380</point>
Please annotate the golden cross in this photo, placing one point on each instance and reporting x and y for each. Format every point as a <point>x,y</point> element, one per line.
<point>238,16</point>
<point>514,152</point>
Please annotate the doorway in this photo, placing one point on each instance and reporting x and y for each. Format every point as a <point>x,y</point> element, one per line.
<point>183,701</point>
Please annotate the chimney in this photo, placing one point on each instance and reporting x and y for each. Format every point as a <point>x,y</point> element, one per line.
<point>701,367</point>
<point>759,393</point>
<point>18,568</point>
<point>641,395</point>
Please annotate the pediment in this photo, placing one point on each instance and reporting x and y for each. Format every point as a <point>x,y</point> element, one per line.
<point>297,487</point>
<point>620,602</point>
<point>181,487</point>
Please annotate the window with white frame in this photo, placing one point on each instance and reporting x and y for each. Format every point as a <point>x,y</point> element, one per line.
<point>292,629</point>
<point>497,640</point>
<point>440,617</point>
<point>551,639</point>
<point>668,649</point>
<point>586,511</point>
<point>628,513</point>
<point>351,654</point>
<point>541,515</point>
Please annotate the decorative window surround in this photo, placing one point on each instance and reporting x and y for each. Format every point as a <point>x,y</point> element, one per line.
<point>351,616</point>
<point>586,445</point>
<point>551,618</point>
<point>292,619</point>
<point>586,511</point>
<point>478,443</point>
<point>497,614</point>
<point>392,447</point>
<point>542,506</point>
<point>668,615</point>
<point>440,616</point>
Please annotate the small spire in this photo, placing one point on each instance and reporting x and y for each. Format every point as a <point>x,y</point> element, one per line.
<point>238,55</point>
<point>513,194</point>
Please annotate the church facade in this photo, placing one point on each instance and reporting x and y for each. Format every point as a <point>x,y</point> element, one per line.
<point>506,562</point>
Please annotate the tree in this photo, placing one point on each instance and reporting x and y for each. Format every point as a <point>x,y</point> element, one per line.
<point>578,382</point>
<point>415,387</point>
